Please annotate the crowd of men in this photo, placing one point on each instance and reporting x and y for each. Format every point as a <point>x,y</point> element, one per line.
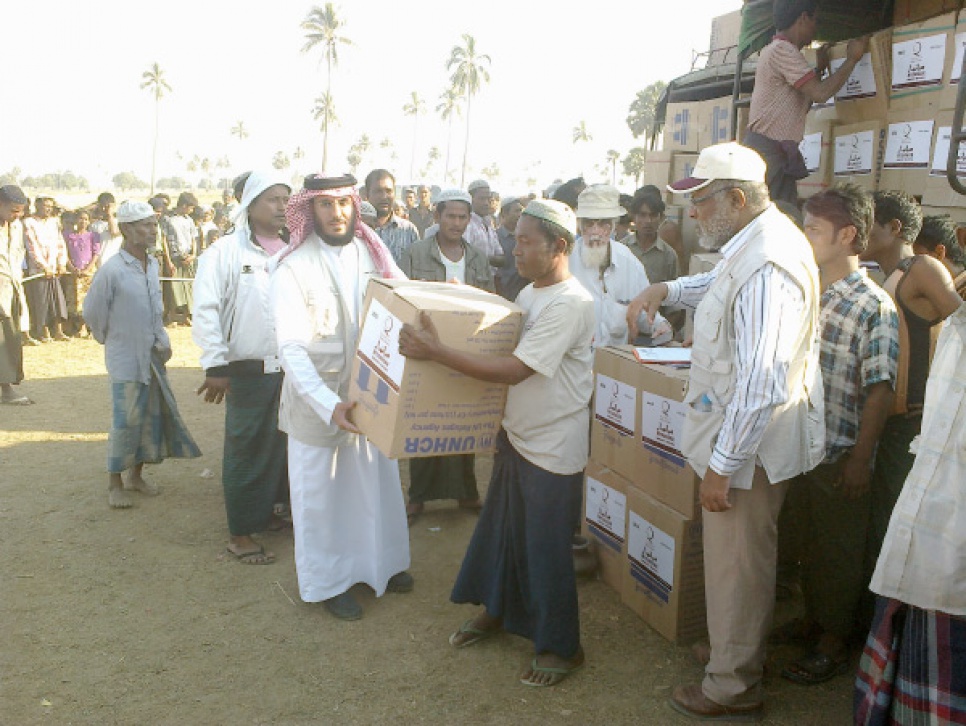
<point>826,413</point>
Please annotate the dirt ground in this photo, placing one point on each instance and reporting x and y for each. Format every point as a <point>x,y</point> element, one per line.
<point>137,617</point>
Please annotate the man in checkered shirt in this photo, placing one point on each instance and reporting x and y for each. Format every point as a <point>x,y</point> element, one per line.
<point>859,360</point>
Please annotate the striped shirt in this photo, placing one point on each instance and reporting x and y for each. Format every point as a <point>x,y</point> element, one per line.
<point>859,348</point>
<point>763,350</point>
<point>398,235</point>
<point>778,106</point>
<point>481,234</point>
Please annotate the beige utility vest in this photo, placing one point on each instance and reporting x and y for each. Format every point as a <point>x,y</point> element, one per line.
<point>332,344</point>
<point>794,440</point>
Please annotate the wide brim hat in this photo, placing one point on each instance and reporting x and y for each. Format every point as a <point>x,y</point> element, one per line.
<point>600,201</point>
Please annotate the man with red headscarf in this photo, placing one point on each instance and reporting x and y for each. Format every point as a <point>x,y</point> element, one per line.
<point>347,504</point>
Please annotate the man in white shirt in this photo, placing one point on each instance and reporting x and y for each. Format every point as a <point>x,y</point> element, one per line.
<point>347,503</point>
<point>755,409</point>
<point>481,233</point>
<point>609,270</point>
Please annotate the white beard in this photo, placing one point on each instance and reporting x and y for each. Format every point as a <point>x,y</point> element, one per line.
<point>594,258</point>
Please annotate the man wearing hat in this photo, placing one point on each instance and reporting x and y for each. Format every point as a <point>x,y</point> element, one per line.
<point>446,257</point>
<point>347,503</point>
<point>481,233</point>
<point>609,270</point>
<point>123,310</point>
<point>13,307</point>
<point>234,328</point>
<point>755,408</point>
<point>519,564</point>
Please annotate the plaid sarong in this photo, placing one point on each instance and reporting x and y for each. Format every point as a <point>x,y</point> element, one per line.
<point>146,427</point>
<point>913,668</point>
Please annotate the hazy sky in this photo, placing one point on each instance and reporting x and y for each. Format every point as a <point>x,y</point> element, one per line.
<point>75,101</point>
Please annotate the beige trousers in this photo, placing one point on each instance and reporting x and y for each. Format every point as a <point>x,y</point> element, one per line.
<point>740,551</point>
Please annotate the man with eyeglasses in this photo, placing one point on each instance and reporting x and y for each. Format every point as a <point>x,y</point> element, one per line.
<point>755,409</point>
<point>608,270</point>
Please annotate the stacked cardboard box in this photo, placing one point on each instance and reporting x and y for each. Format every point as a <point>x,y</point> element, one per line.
<point>636,463</point>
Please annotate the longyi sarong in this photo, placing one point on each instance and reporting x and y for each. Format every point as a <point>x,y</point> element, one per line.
<point>913,668</point>
<point>146,427</point>
<point>519,564</point>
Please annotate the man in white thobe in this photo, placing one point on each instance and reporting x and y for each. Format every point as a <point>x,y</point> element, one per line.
<point>347,504</point>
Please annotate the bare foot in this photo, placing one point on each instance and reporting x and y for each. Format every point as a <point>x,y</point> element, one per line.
<point>548,669</point>
<point>135,483</point>
<point>117,498</point>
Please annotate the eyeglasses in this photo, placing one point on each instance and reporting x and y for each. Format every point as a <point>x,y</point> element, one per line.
<point>698,201</point>
<point>591,223</point>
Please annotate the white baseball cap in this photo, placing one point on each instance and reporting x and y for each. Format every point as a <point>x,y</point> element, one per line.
<point>722,161</point>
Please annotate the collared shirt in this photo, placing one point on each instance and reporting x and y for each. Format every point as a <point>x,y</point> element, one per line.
<point>481,234</point>
<point>123,310</point>
<point>398,234</point>
<point>859,348</point>
<point>778,106</point>
<point>612,290</point>
<point>762,348</point>
<point>46,249</point>
<point>660,261</point>
<point>182,235</point>
<point>921,561</point>
<point>421,218</point>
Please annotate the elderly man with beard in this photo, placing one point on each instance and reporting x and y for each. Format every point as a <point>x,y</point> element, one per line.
<point>608,270</point>
<point>755,409</point>
<point>234,328</point>
<point>347,503</point>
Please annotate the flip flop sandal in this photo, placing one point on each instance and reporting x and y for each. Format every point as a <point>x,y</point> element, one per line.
<point>18,401</point>
<point>250,557</point>
<point>558,674</point>
<point>476,635</point>
<point>815,668</point>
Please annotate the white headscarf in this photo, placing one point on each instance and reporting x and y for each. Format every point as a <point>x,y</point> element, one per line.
<point>257,182</point>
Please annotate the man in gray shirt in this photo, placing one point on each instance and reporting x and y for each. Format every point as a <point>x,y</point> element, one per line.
<point>123,310</point>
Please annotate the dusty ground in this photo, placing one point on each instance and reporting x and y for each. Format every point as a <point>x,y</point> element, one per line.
<point>136,617</point>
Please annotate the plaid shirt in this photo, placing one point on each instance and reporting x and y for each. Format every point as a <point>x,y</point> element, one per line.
<point>398,235</point>
<point>859,347</point>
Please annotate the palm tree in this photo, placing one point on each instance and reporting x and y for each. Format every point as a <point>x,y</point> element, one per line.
<point>280,161</point>
<point>324,110</point>
<point>240,131</point>
<point>613,156</point>
<point>415,107</point>
<point>154,81</point>
<point>448,107</point>
<point>469,74</point>
<point>322,27</point>
<point>581,133</point>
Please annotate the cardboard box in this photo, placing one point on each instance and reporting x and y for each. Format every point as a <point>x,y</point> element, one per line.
<point>409,408</point>
<point>725,31</point>
<point>616,415</point>
<point>664,577</point>
<point>911,11</point>
<point>922,59</point>
<point>947,100</point>
<point>693,125</point>
<point>908,151</point>
<point>865,94</point>
<point>937,191</point>
<point>657,169</point>
<point>956,214</point>
<point>605,520</point>
<point>816,147</point>
<point>857,154</point>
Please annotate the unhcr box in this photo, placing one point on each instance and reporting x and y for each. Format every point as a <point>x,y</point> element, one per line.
<point>605,520</point>
<point>409,408</point>
<point>664,572</point>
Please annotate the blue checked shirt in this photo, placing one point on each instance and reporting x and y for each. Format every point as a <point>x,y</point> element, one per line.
<point>859,347</point>
<point>398,235</point>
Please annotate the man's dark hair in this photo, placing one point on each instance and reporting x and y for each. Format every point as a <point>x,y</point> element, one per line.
<point>238,185</point>
<point>187,199</point>
<point>845,205</point>
<point>786,12</point>
<point>553,231</point>
<point>899,205</point>
<point>105,198</point>
<point>377,175</point>
<point>569,191</point>
<point>650,196</point>
<point>12,194</point>
<point>940,230</point>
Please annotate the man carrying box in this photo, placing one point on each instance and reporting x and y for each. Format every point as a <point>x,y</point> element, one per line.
<point>755,387</point>
<point>785,88</point>
<point>519,564</point>
<point>859,357</point>
<point>347,507</point>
